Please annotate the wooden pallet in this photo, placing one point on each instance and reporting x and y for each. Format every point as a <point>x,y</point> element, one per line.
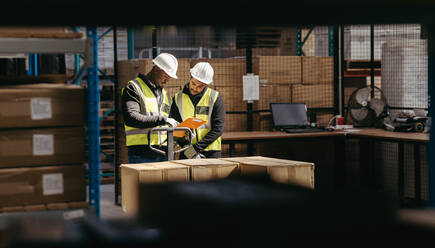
<point>45,207</point>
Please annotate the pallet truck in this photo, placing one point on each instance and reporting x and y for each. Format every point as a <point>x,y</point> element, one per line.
<point>170,152</point>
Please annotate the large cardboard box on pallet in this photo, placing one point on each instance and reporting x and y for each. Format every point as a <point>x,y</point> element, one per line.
<point>41,146</point>
<point>279,170</point>
<point>209,168</point>
<point>42,185</point>
<point>148,173</point>
<point>42,105</point>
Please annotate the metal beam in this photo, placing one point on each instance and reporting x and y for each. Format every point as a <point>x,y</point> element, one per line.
<point>93,122</point>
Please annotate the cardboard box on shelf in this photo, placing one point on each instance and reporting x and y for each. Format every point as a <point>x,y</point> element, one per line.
<point>227,71</point>
<point>278,69</point>
<point>42,185</point>
<point>317,70</point>
<point>279,170</point>
<point>158,172</point>
<point>209,168</point>
<point>42,105</point>
<point>41,146</point>
<point>314,95</point>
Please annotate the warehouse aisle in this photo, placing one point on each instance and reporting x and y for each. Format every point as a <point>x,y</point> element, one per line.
<point>108,208</point>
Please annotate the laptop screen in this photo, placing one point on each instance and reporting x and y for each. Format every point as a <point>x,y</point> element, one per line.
<point>289,114</point>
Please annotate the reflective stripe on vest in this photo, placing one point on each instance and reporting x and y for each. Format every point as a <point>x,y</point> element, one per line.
<point>148,107</point>
<point>202,111</point>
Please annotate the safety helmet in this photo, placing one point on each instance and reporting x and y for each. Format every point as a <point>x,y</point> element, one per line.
<point>203,72</point>
<point>168,63</point>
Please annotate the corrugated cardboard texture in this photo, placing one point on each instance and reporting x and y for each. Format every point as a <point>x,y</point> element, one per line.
<point>183,73</point>
<point>25,186</point>
<point>227,71</point>
<point>209,168</point>
<point>279,170</point>
<point>172,90</point>
<point>278,69</point>
<point>134,174</point>
<point>129,69</point>
<point>65,105</point>
<point>233,97</point>
<point>17,147</point>
<point>317,70</point>
<point>315,96</point>
<point>272,93</point>
<point>262,121</point>
<point>235,122</point>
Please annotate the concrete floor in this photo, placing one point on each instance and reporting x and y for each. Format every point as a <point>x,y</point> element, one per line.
<point>108,208</point>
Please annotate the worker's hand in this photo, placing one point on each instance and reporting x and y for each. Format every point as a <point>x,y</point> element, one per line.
<point>186,134</point>
<point>190,152</point>
<point>172,122</point>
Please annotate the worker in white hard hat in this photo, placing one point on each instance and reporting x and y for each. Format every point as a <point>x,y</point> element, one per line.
<point>145,105</point>
<point>200,101</point>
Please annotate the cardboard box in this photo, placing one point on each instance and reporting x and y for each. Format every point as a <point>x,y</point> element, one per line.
<point>235,122</point>
<point>233,97</point>
<point>42,105</point>
<point>209,168</point>
<point>278,69</point>
<point>148,173</point>
<point>317,70</point>
<point>129,69</point>
<point>41,147</point>
<point>42,185</point>
<point>272,94</point>
<point>227,71</point>
<point>315,95</point>
<point>280,170</point>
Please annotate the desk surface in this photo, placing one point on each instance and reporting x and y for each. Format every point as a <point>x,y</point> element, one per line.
<point>267,135</point>
<point>381,134</point>
<point>363,132</point>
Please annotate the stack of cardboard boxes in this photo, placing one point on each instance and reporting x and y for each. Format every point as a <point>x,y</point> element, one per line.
<point>197,170</point>
<point>42,145</point>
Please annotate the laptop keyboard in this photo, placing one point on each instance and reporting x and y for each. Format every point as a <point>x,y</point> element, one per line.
<point>303,130</point>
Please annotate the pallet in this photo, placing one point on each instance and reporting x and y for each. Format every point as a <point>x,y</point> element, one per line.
<point>45,207</point>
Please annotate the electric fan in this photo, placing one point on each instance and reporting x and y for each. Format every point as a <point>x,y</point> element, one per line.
<point>367,107</point>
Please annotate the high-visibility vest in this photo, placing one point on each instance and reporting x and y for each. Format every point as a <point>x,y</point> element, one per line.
<point>148,107</point>
<point>202,111</point>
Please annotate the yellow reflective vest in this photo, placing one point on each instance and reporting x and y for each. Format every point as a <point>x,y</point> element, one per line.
<point>202,111</point>
<point>149,107</point>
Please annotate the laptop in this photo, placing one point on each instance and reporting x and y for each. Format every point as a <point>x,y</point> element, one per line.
<point>292,118</point>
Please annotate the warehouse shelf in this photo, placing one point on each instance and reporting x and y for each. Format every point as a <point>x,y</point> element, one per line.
<point>88,47</point>
<point>44,45</point>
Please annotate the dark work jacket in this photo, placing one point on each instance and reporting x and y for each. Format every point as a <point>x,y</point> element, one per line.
<point>130,104</point>
<point>217,121</point>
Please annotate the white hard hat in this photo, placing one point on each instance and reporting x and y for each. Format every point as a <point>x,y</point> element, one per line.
<point>203,72</point>
<point>168,63</point>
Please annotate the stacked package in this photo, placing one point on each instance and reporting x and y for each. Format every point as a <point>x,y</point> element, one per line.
<point>280,171</point>
<point>42,144</point>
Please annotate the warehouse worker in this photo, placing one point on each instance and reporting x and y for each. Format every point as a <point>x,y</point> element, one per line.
<point>199,101</point>
<point>145,105</point>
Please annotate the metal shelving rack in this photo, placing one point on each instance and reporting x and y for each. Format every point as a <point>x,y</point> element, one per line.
<point>88,47</point>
